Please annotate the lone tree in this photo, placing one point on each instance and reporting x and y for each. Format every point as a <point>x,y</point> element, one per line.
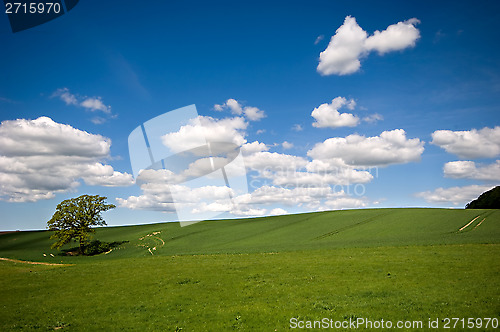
<point>74,218</point>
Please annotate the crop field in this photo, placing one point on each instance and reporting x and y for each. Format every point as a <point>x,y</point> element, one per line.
<point>259,274</point>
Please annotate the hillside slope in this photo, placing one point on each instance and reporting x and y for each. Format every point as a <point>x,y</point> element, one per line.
<point>320,230</point>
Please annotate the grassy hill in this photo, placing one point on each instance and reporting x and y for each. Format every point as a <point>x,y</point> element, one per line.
<point>257,274</point>
<point>320,230</point>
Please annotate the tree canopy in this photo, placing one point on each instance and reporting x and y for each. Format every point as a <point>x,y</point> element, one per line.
<point>487,200</point>
<point>74,219</point>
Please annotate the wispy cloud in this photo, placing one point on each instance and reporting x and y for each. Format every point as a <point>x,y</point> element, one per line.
<point>91,104</point>
<point>318,39</point>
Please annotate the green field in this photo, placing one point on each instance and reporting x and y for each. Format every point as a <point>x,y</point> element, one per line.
<point>257,274</point>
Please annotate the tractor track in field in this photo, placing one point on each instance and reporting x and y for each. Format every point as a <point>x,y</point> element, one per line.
<point>484,215</point>
<point>32,263</point>
<point>349,226</point>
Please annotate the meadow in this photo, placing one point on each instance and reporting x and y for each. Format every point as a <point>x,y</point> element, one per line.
<point>258,274</point>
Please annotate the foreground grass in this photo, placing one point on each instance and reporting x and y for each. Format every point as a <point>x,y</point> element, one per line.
<point>253,291</point>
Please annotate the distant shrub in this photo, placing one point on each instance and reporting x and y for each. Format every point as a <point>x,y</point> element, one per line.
<point>95,248</point>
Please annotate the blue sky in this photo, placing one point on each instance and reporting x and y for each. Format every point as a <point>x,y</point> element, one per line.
<point>407,115</point>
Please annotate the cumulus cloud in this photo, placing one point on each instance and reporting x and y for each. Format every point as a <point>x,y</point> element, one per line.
<point>341,57</point>
<point>483,143</point>
<point>254,147</point>
<point>288,196</point>
<point>287,145</point>
<point>316,198</point>
<point>345,203</point>
<point>271,161</point>
<point>156,196</point>
<point>205,127</point>
<point>454,195</point>
<point>342,176</point>
<point>253,113</point>
<point>293,171</point>
<point>351,43</point>
<point>314,182</point>
<point>328,115</point>
<point>39,158</point>
<point>391,147</point>
<point>297,127</point>
<point>277,212</point>
<point>469,170</point>
<point>395,38</point>
<point>250,112</point>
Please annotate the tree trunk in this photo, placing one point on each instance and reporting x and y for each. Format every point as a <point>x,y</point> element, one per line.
<point>81,245</point>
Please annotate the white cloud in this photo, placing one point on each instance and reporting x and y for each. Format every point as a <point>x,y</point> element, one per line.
<point>345,203</point>
<point>391,147</point>
<point>89,103</point>
<point>297,127</point>
<point>287,145</point>
<point>484,143</point>
<point>205,127</point>
<point>276,178</point>
<point>95,104</point>
<point>294,171</point>
<point>152,199</point>
<point>249,212</point>
<point>318,198</point>
<point>157,196</point>
<point>254,147</point>
<point>454,195</point>
<point>395,38</point>
<point>218,107</point>
<point>98,120</point>
<point>373,118</point>
<point>343,176</point>
<point>469,170</point>
<point>66,96</point>
<point>44,137</point>
<point>293,185</point>
<point>40,158</point>
<point>273,161</point>
<point>351,43</point>
<point>277,212</point>
<point>253,113</point>
<point>318,39</point>
<point>250,112</point>
<point>234,106</point>
<point>341,57</point>
<point>328,115</point>
<point>287,196</point>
